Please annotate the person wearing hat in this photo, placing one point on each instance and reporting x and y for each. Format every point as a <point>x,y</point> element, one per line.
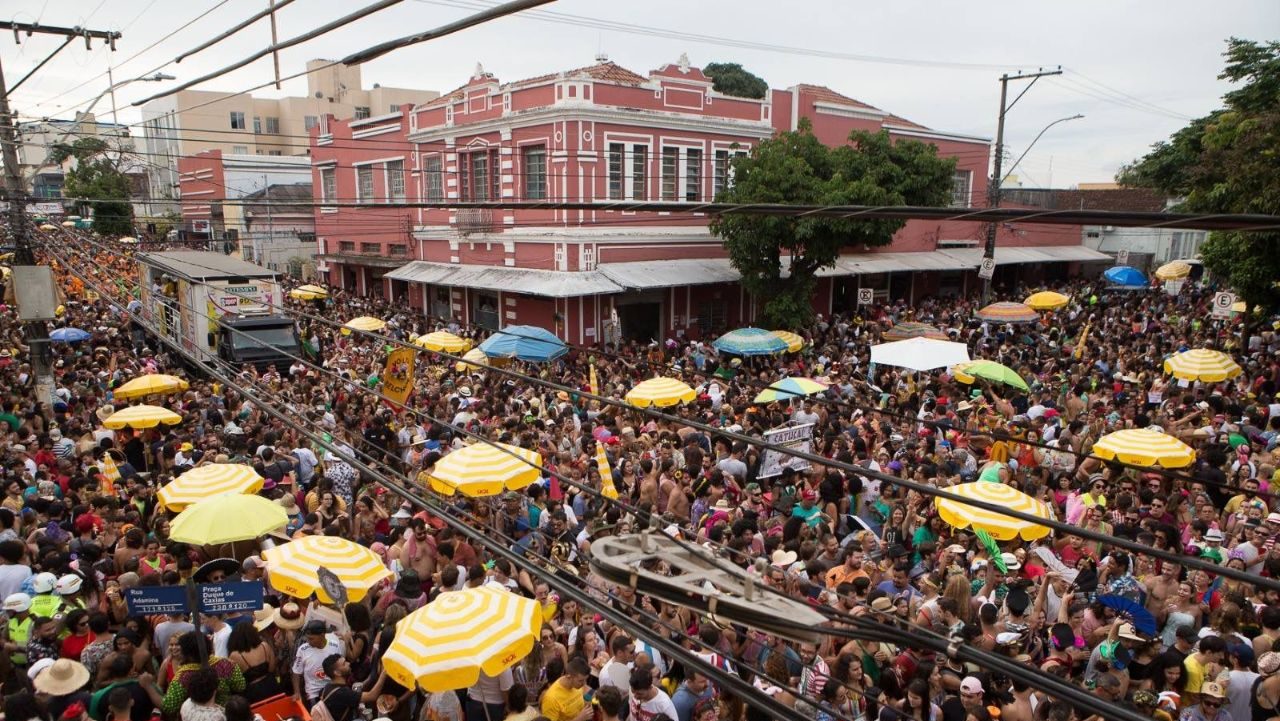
<point>1211,705</point>
<point>64,682</point>
<point>1264,700</point>
<point>309,678</point>
<point>17,606</point>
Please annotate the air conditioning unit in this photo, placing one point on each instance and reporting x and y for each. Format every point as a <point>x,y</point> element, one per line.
<point>1108,229</point>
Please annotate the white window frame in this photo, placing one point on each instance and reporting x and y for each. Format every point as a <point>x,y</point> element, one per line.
<point>968,193</point>
<point>361,196</point>
<point>388,175</point>
<point>329,184</point>
<point>238,115</point>
<point>428,174</point>
<point>525,175</point>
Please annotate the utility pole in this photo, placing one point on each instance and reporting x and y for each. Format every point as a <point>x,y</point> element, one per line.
<point>993,191</point>
<point>37,333</point>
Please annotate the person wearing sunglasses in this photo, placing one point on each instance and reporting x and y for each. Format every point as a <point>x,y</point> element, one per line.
<point>1213,699</point>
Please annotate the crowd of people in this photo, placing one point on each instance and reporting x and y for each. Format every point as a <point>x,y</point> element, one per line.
<point>80,523</point>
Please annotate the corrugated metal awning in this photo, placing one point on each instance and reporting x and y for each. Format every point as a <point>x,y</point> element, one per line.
<point>549,283</point>
<point>1019,255</point>
<point>867,263</point>
<point>670,273</point>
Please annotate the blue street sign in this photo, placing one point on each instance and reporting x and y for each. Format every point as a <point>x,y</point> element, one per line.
<point>156,600</point>
<point>229,596</point>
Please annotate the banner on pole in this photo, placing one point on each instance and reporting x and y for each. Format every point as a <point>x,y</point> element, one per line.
<point>397,378</point>
<point>796,438</point>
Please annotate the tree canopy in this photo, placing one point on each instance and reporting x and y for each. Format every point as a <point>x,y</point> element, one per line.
<point>97,182</point>
<point>1227,162</point>
<point>733,79</point>
<point>795,167</point>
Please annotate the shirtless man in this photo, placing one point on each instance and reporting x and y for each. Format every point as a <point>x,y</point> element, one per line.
<point>649,485</point>
<point>678,499</point>
<point>1162,588</point>
<point>419,550</point>
<point>1019,709</point>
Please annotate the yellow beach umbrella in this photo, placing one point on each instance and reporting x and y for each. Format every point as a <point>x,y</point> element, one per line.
<point>475,358</point>
<point>999,525</point>
<point>1202,364</point>
<point>365,323</point>
<point>660,392</point>
<point>205,523</point>
<point>1046,300</point>
<point>142,417</point>
<point>308,292</point>
<point>1144,447</point>
<point>485,469</point>
<point>443,340</point>
<point>1177,270</point>
<point>208,481</point>
<point>151,384</point>
<point>292,568</point>
<point>793,340</point>
<point>444,645</point>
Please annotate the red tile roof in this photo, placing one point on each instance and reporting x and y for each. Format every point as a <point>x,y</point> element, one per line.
<point>899,120</point>
<point>825,94</point>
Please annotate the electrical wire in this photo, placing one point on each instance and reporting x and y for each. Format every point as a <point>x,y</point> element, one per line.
<point>924,489</point>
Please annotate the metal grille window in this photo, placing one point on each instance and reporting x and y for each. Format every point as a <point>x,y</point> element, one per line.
<point>370,248</point>
<point>328,185</point>
<point>639,176</point>
<point>346,246</point>
<point>535,172</point>
<point>670,169</point>
<point>616,153</point>
<point>432,170</point>
<point>364,184</point>
<point>693,174</point>
<point>961,184</point>
<point>395,180</point>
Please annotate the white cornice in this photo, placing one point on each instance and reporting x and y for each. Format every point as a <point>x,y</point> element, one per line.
<point>606,114</point>
<point>935,134</point>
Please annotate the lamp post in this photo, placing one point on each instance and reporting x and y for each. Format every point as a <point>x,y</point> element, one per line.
<point>158,77</point>
<point>1033,144</point>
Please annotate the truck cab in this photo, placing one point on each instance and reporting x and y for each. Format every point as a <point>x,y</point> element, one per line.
<point>259,340</point>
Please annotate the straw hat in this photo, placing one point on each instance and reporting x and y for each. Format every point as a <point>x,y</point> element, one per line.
<point>288,617</point>
<point>62,678</point>
<point>105,412</point>
<point>264,617</point>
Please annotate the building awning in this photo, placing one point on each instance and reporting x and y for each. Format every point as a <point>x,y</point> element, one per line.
<point>1019,255</point>
<point>869,263</point>
<point>642,274</point>
<point>531,281</point>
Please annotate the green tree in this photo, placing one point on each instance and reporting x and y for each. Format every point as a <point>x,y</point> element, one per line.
<point>796,168</point>
<point>733,79</point>
<point>97,184</point>
<point>1229,162</point>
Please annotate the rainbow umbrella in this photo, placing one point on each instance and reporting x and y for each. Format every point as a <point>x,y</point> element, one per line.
<point>794,342</point>
<point>911,329</point>
<point>789,388</point>
<point>1006,312</point>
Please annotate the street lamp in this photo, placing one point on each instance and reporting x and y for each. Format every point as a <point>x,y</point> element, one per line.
<point>1033,144</point>
<point>158,77</point>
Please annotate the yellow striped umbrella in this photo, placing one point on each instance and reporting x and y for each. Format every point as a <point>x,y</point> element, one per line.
<point>1202,364</point>
<point>292,568</point>
<point>142,417</point>
<point>794,342</point>
<point>660,392</point>
<point>208,481</point>
<point>485,469</point>
<point>308,292</point>
<point>365,323</point>
<point>1000,526</point>
<point>607,489</point>
<point>443,340</point>
<point>151,384</point>
<point>1144,447</point>
<point>444,645</point>
<point>1046,300</point>
<point>1177,270</point>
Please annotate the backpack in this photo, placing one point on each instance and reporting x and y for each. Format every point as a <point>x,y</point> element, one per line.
<point>320,712</point>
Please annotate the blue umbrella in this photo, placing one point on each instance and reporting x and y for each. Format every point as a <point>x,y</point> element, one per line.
<point>525,342</point>
<point>1126,275</point>
<point>750,341</point>
<point>69,335</point>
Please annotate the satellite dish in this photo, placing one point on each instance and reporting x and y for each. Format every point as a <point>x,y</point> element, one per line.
<point>319,94</point>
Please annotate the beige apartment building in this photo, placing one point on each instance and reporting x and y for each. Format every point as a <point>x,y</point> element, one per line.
<point>193,121</point>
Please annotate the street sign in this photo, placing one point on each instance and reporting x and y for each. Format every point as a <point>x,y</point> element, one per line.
<point>229,596</point>
<point>156,600</point>
<point>1222,304</point>
<point>866,296</point>
<point>987,269</point>
<point>1122,257</point>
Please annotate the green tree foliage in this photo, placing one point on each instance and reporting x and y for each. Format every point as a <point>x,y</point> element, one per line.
<point>98,184</point>
<point>796,168</point>
<point>1229,162</point>
<point>733,79</point>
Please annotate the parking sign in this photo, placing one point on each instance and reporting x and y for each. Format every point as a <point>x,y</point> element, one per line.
<point>1222,304</point>
<point>987,269</point>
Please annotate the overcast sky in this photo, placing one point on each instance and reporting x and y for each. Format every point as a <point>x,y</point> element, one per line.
<point>1136,70</point>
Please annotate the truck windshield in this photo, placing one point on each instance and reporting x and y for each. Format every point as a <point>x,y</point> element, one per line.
<point>280,337</point>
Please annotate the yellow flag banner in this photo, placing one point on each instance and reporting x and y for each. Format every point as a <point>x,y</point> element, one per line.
<point>1084,336</point>
<point>595,381</point>
<point>607,489</point>
<point>397,379</point>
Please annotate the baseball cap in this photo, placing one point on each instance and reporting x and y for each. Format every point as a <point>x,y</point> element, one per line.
<point>1127,631</point>
<point>971,685</point>
<point>808,495</point>
<point>1213,690</point>
<point>315,628</point>
<point>1274,518</point>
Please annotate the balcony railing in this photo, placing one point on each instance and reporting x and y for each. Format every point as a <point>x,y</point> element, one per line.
<point>474,220</point>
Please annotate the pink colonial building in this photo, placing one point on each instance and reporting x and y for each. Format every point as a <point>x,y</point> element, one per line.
<point>604,133</point>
